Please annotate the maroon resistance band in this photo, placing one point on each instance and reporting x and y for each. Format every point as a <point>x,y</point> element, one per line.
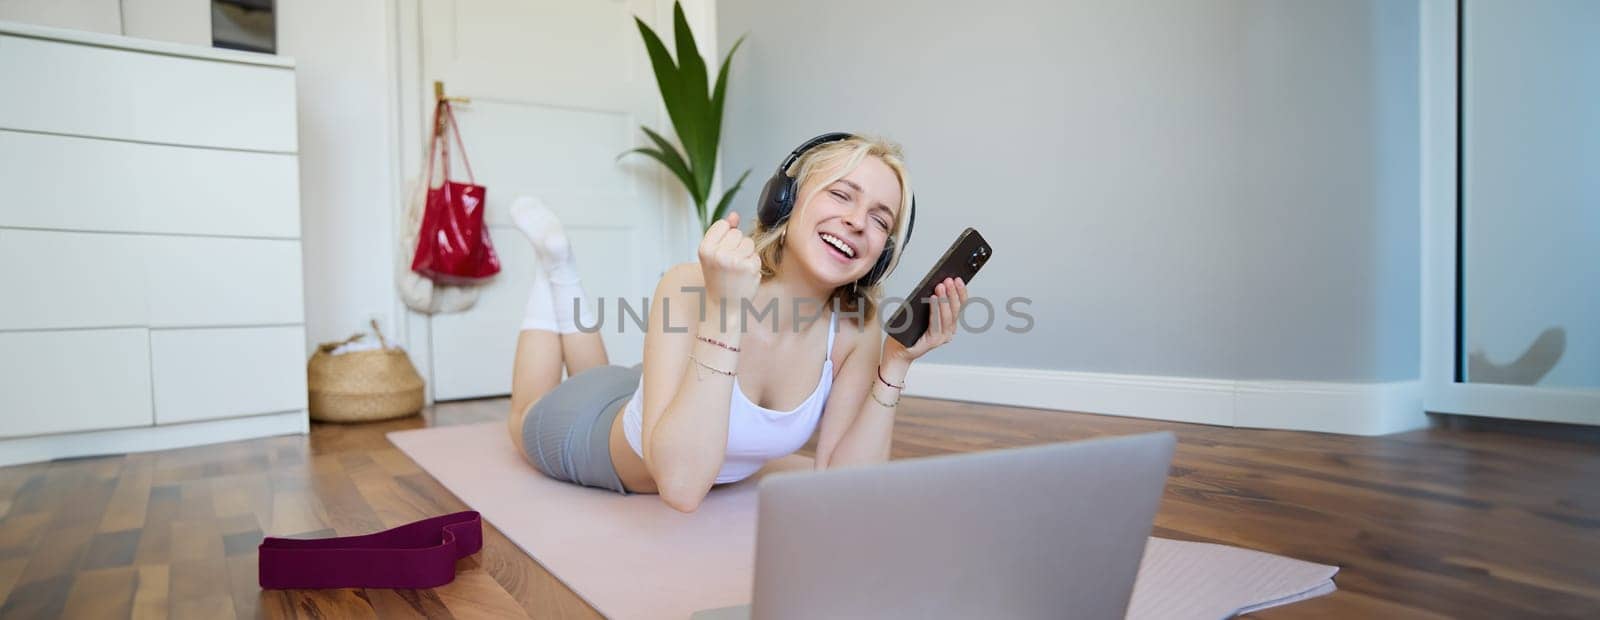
<point>415,555</point>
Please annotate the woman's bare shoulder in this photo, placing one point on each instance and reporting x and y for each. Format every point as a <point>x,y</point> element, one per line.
<point>856,332</point>
<point>681,275</point>
<point>680,289</point>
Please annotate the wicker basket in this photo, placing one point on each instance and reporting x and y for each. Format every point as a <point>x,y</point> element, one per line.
<point>362,386</point>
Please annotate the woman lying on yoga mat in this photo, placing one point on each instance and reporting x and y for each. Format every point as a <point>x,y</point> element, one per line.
<point>722,391</point>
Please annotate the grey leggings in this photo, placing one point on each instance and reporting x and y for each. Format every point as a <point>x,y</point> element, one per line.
<point>567,433</point>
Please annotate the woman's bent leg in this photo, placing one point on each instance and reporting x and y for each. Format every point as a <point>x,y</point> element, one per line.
<point>582,351</point>
<point>566,434</point>
<point>550,337</point>
<point>536,371</point>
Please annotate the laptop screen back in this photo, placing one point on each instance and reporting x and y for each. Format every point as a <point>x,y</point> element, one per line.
<point>1044,531</point>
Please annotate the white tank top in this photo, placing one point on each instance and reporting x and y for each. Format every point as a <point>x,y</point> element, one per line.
<point>756,434</point>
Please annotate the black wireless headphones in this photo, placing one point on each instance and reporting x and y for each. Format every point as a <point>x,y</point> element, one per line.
<point>777,202</point>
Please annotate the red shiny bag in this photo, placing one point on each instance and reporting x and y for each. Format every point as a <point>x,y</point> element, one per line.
<point>453,246</point>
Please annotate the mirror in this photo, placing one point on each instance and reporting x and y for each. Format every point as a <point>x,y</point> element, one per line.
<point>1529,306</point>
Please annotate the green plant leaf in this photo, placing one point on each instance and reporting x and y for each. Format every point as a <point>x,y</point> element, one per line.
<point>678,167</point>
<point>669,157</point>
<point>702,148</point>
<point>672,161</point>
<point>691,67</point>
<point>720,92</point>
<point>696,114</point>
<point>673,93</point>
<point>722,205</point>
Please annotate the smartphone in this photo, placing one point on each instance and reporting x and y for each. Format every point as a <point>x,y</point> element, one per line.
<point>963,260</point>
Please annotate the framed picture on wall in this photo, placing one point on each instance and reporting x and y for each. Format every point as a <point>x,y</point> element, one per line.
<point>244,25</point>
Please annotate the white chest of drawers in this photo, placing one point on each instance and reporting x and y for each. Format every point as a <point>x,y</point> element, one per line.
<point>150,265</point>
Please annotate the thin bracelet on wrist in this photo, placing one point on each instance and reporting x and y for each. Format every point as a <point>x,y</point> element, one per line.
<point>880,401</point>
<point>696,360</point>
<point>719,343</point>
<point>886,381</point>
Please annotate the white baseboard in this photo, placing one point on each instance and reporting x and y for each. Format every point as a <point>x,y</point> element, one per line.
<point>146,438</point>
<point>1348,408</point>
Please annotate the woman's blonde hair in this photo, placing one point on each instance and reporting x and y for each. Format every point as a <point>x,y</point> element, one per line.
<point>814,171</point>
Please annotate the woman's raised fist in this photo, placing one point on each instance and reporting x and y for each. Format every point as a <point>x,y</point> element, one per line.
<point>728,260</point>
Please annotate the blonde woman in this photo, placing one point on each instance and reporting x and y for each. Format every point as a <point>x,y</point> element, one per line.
<point>770,338</point>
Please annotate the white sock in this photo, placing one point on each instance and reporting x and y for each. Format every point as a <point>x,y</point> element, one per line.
<point>541,310</point>
<point>543,229</point>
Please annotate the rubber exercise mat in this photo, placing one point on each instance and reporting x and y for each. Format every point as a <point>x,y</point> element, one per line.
<point>633,557</point>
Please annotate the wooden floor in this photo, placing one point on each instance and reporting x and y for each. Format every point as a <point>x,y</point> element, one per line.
<point>1440,523</point>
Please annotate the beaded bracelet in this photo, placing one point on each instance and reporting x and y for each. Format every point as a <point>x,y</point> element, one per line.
<point>718,343</point>
<point>886,381</point>
<point>709,367</point>
<point>880,401</point>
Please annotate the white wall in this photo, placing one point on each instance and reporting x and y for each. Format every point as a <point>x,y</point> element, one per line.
<point>92,15</point>
<point>179,21</point>
<point>1213,206</point>
<point>344,54</point>
<point>1220,190</point>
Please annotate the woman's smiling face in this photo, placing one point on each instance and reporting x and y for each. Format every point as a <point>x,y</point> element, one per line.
<point>839,230</point>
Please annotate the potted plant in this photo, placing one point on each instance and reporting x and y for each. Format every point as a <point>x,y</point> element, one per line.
<point>696,114</point>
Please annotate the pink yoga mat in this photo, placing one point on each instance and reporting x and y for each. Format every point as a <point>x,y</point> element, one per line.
<point>633,557</point>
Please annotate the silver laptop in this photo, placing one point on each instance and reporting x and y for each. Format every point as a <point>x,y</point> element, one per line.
<point>1053,531</point>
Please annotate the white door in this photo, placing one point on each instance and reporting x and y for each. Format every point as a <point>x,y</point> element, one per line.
<point>558,90</point>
